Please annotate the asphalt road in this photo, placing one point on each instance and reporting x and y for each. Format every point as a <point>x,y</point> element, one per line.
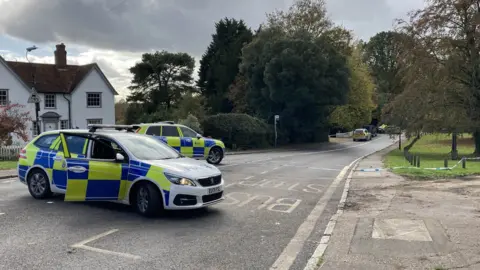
<point>272,216</point>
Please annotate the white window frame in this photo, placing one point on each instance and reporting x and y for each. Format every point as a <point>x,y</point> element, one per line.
<point>94,121</point>
<point>99,99</point>
<point>63,124</point>
<point>46,100</point>
<point>6,97</point>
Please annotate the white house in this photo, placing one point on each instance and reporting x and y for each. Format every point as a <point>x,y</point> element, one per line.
<point>71,96</point>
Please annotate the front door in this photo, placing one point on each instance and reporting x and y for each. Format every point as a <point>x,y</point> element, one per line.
<point>98,177</point>
<point>50,125</point>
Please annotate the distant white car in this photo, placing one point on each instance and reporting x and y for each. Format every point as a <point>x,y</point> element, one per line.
<point>125,167</point>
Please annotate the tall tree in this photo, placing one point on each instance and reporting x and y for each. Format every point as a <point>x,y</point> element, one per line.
<point>358,110</point>
<point>309,16</point>
<point>120,111</point>
<point>160,79</point>
<point>296,77</point>
<point>14,123</point>
<point>219,64</point>
<point>382,54</point>
<point>449,32</point>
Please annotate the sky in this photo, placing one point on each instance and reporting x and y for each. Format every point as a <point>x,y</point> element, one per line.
<point>115,33</point>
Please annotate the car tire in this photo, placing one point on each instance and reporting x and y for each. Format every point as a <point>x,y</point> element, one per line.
<point>215,155</point>
<point>354,140</point>
<point>38,184</point>
<point>148,200</point>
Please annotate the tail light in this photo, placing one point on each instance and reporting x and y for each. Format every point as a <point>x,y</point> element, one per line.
<point>22,154</point>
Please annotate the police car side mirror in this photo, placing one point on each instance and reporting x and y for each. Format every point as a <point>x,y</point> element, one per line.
<point>199,136</point>
<point>119,157</point>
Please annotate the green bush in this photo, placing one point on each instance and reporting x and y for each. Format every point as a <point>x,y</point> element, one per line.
<point>238,131</point>
<point>192,122</point>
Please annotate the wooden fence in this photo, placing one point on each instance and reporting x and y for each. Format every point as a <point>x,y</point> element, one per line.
<point>10,152</point>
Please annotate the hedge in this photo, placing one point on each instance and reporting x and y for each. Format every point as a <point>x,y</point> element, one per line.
<point>238,131</point>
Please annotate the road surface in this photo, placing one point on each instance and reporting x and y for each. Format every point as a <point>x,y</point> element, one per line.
<point>276,209</point>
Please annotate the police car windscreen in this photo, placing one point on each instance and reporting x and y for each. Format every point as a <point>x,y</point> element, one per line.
<point>147,147</point>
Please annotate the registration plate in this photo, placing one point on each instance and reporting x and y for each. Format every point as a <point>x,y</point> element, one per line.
<point>214,190</point>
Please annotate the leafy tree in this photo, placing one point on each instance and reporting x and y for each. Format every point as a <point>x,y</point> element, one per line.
<point>192,122</point>
<point>189,104</point>
<point>120,111</point>
<point>219,64</point>
<point>308,16</point>
<point>382,53</point>
<point>14,123</point>
<point>160,79</point>
<point>448,32</point>
<point>297,77</point>
<point>358,111</point>
<point>237,95</point>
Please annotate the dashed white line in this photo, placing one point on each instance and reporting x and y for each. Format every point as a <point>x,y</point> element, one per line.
<point>1,214</point>
<point>264,172</point>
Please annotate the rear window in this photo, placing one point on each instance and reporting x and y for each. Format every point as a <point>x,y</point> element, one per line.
<point>46,141</point>
<point>170,131</point>
<point>359,131</point>
<point>153,130</point>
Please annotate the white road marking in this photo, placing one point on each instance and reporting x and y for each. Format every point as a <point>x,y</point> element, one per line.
<point>264,172</point>
<point>83,243</point>
<point>1,214</point>
<point>8,181</point>
<point>291,155</point>
<point>320,250</point>
<point>289,254</point>
<point>248,177</point>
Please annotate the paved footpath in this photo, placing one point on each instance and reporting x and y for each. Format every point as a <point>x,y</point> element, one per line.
<point>4,174</point>
<point>392,223</point>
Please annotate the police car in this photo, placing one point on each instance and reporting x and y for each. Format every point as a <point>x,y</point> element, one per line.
<point>186,141</point>
<point>117,165</point>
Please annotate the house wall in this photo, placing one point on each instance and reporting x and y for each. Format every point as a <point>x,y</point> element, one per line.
<point>94,82</point>
<point>17,93</point>
<point>81,113</point>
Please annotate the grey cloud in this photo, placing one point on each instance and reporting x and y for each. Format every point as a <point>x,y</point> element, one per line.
<point>180,25</point>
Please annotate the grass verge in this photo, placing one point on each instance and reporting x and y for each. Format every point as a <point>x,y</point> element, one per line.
<point>8,165</point>
<point>432,150</point>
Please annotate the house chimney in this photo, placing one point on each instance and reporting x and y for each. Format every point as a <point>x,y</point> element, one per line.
<point>61,56</point>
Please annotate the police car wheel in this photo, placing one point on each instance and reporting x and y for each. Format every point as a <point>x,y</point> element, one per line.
<point>148,200</point>
<point>38,184</point>
<point>215,155</point>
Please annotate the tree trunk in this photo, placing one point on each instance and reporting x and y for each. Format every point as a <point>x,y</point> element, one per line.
<point>454,146</point>
<point>476,139</point>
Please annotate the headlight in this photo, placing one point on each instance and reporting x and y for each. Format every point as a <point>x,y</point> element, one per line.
<point>178,180</point>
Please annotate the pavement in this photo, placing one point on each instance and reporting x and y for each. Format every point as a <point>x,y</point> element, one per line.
<point>388,222</point>
<point>5,174</point>
<point>277,207</point>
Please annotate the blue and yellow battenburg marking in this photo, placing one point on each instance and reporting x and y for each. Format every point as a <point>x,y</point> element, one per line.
<point>99,180</point>
<point>187,146</point>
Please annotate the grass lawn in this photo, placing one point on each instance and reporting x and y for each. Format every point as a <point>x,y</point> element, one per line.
<point>432,150</point>
<point>8,165</point>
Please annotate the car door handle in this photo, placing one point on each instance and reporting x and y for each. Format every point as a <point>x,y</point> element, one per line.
<point>77,169</point>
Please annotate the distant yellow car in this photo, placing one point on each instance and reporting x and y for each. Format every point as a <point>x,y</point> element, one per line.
<point>361,134</point>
